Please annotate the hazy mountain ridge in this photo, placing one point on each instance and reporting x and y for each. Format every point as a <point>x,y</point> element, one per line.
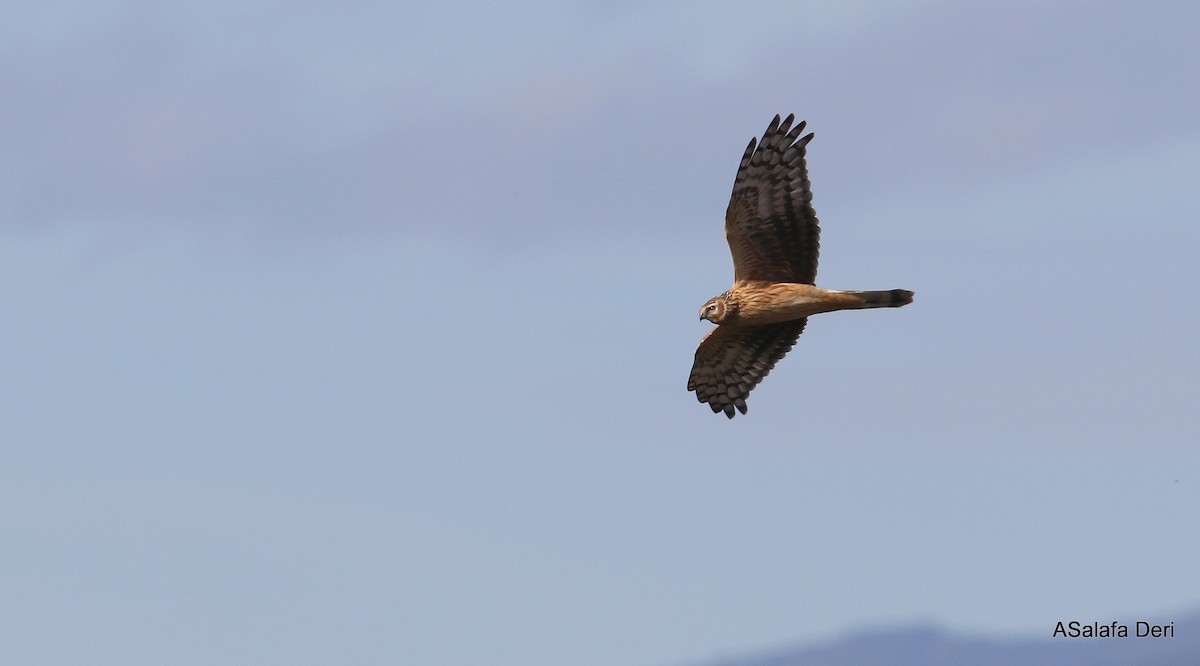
<point>931,646</point>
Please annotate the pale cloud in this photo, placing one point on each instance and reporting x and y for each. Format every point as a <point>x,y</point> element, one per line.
<point>299,118</point>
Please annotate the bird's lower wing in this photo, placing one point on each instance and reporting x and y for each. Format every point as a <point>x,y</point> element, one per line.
<point>732,360</point>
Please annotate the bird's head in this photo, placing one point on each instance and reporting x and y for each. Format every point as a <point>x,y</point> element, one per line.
<point>717,309</point>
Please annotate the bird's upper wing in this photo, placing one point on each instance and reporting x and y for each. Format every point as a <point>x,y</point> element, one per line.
<point>732,360</point>
<point>770,223</point>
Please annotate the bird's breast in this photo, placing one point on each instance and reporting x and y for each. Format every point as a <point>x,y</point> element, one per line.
<point>762,303</point>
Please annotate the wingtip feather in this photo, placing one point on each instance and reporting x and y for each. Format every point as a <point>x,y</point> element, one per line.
<point>773,126</point>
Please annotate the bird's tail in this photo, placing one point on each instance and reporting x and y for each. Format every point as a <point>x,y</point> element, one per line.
<point>892,298</point>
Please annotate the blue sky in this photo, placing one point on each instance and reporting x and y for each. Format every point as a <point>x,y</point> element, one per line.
<point>360,334</point>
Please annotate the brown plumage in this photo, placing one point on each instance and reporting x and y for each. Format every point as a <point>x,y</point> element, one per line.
<point>774,237</point>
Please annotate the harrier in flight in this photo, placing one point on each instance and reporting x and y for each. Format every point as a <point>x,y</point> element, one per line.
<point>772,231</point>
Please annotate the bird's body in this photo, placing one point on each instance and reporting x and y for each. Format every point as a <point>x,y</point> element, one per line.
<point>774,236</point>
<point>758,302</point>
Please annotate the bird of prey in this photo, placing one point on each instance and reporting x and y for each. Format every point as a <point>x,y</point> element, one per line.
<point>773,234</point>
